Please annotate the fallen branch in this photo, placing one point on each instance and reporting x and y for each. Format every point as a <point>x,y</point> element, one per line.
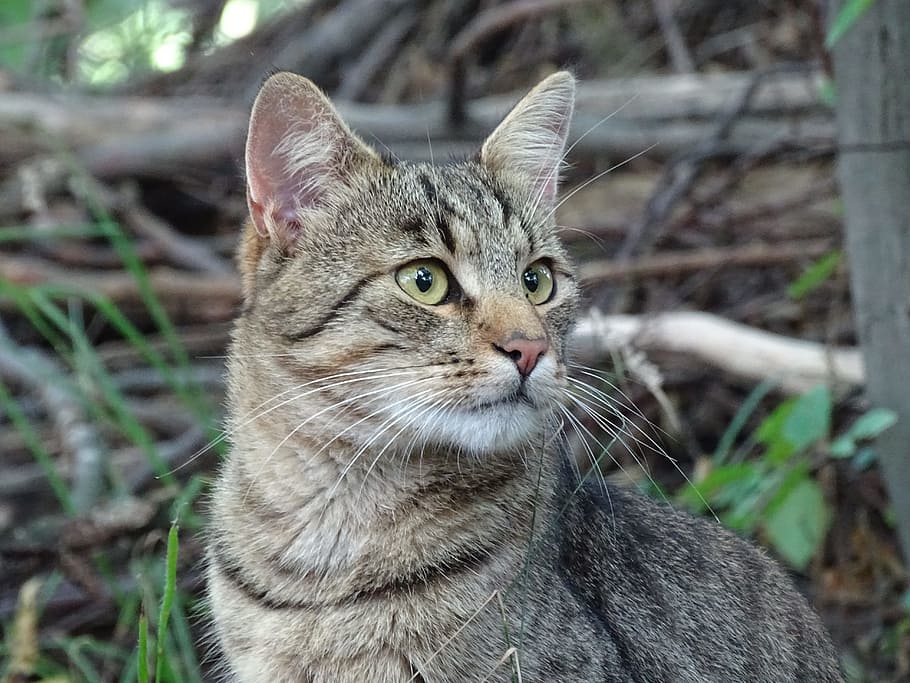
<point>485,25</point>
<point>211,297</point>
<point>682,262</point>
<point>78,435</point>
<point>117,136</point>
<point>738,349</point>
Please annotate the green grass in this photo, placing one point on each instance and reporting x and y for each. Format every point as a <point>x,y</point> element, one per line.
<point>67,320</point>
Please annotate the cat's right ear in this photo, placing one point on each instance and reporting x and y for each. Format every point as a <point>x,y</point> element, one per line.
<point>298,149</point>
<point>531,141</point>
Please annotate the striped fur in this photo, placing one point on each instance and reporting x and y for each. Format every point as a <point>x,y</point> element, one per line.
<point>397,505</point>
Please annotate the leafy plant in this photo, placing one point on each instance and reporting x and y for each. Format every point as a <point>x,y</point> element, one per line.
<point>848,15</point>
<point>767,487</point>
<point>812,278</point>
<point>67,320</point>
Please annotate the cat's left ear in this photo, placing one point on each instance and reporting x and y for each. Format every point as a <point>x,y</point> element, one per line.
<point>298,154</point>
<point>531,141</point>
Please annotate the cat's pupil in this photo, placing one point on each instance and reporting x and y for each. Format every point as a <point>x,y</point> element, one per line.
<point>423,279</point>
<point>532,281</point>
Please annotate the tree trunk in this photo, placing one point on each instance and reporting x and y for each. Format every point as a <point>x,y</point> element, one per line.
<point>872,66</point>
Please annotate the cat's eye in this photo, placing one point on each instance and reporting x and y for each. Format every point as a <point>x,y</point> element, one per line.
<point>424,280</point>
<point>537,281</point>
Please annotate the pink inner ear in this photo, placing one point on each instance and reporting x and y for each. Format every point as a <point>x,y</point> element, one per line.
<point>291,156</point>
<point>280,185</point>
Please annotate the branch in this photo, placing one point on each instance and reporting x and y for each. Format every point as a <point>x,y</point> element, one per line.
<point>680,262</point>
<point>117,136</point>
<point>741,350</point>
<point>80,439</point>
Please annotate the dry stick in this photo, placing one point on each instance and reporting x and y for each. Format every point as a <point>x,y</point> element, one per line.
<point>220,294</point>
<point>796,364</point>
<point>359,75</point>
<point>823,189</point>
<point>679,177</point>
<point>78,435</point>
<point>182,250</point>
<point>676,44</point>
<point>483,26</point>
<point>129,136</point>
<point>676,182</point>
<point>681,262</point>
<point>213,297</point>
<point>351,23</point>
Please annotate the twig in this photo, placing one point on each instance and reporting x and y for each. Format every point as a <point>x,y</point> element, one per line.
<point>358,76</point>
<point>681,174</point>
<point>182,250</point>
<point>681,262</point>
<point>796,364</point>
<point>131,136</point>
<point>78,435</point>
<point>676,44</point>
<point>326,42</point>
<point>483,26</point>
<point>211,297</point>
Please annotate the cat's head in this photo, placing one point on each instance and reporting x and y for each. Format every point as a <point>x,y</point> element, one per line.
<point>397,305</point>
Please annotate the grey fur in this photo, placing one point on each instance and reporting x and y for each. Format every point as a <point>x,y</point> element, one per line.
<point>432,557</point>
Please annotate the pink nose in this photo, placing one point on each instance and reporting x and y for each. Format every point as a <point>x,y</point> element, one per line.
<point>525,352</point>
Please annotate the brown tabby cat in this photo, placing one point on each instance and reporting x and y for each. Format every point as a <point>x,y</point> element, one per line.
<point>398,505</point>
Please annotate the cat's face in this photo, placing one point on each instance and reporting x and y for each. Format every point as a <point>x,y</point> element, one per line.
<point>403,305</point>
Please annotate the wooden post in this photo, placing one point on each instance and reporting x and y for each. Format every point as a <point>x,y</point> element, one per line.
<point>872,70</point>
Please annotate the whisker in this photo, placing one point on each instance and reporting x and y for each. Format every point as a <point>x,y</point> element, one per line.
<point>380,392</point>
<point>650,443</point>
<point>569,149</point>
<point>252,415</point>
<point>392,440</point>
<point>597,177</point>
<point>391,420</point>
<point>604,400</point>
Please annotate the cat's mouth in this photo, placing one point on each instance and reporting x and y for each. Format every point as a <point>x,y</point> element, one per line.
<point>517,397</point>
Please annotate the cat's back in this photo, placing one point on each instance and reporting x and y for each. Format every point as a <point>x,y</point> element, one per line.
<point>680,598</point>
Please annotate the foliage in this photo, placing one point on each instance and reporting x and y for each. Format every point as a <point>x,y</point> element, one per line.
<point>816,274</point>
<point>68,320</point>
<point>767,487</point>
<point>848,15</point>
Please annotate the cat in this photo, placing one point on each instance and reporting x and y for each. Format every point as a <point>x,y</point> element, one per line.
<point>398,503</point>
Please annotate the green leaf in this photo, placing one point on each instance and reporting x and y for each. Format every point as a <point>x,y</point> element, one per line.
<point>866,426</point>
<point>815,275</point>
<point>15,16</point>
<point>827,93</point>
<point>842,447</point>
<point>716,484</point>
<point>872,423</point>
<point>771,427</point>
<point>143,653</point>
<point>864,459</point>
<point>739,420</point>
<point>809,420</point>
<point>798,526</point>
<point>796,424</point>
<point>848,15</point>
<point>167,601</point>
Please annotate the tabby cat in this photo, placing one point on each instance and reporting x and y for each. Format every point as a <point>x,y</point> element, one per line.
<point>398,504</point>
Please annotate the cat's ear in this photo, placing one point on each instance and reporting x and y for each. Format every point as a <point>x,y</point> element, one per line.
<point>531,140</point>
<point>298,149</point>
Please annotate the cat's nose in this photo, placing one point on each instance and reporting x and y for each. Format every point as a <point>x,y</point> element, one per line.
<point>525,352</point>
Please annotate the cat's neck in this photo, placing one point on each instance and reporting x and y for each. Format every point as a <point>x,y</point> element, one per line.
<point>331,516</point>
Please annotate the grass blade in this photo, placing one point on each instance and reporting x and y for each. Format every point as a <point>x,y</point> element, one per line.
<point>142,662</point>
<point>167,600</point>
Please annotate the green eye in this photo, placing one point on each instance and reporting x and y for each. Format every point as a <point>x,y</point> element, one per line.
<point>538,282</point>
<point>425,281</point>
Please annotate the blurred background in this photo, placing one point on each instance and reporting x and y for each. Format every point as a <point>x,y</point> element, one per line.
<point>718,339</point>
